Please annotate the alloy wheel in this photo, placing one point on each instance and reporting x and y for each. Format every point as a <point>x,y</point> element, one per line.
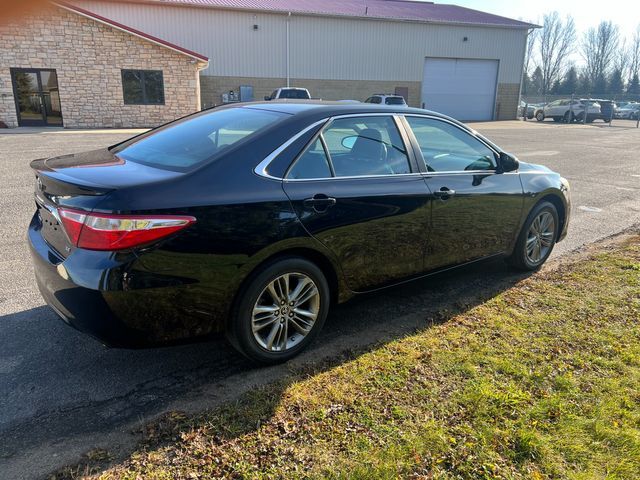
<point>285,312</point>
<point>540,237</point>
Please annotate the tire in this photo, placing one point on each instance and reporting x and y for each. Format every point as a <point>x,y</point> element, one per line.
<point>540,116</point>
<point>279,325</point>
<point>520,257</point>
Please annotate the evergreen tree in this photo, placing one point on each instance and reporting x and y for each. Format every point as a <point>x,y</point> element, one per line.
<point>526,84</point>
<point>555,88</point>
<point>536,82</point>
<point>599,85</point>
<point>569,84</point>
<point>634,85</point>
<point>616,84</point>
<point>584,84</point>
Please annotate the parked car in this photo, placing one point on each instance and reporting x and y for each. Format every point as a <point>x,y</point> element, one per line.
<point>531,109</point>
<point>253,219</point>
<point>570,110</point>
<point>386,99</point>
<point>289,92</point>
<point>624,104</point>
<point>630,111</point>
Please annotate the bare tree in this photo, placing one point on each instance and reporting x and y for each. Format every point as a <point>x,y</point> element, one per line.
<point>532,40</point>
<point>622,58</point>
<point>556,43</point>
<point>634,54</point>
<point>599,49</point>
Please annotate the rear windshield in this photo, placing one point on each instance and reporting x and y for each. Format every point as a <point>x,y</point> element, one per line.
<point>394,101</point>
<point>193,141</point>
<point>300,94</point>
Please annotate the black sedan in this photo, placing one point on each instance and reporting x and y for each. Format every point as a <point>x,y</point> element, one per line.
<point>253,219</point>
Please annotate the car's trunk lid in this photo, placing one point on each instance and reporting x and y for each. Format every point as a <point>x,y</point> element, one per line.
<point>81,181</point>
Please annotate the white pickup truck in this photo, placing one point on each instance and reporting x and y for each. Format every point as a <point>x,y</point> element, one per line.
<point>289,92</point>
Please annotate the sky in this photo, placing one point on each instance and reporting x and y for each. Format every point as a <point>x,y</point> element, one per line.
<point>586,13</point>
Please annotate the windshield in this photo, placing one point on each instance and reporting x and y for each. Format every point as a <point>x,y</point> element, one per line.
<point>394,101</point>
<point>294,93</point>
<point>189,143</point>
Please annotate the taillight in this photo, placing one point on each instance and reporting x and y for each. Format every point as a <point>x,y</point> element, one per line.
<point>98,231</point>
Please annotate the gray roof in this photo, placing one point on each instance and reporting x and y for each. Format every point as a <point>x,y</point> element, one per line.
<point>408,10</point>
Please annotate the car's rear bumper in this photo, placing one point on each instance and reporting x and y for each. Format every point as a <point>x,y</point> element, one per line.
<point>112,298</point>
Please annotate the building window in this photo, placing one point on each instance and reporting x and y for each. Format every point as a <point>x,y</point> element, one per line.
<point>143,87</point>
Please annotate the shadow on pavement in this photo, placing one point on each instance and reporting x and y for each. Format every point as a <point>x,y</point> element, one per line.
<point>58,383</point>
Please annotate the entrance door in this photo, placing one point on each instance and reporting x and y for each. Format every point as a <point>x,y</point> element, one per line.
<point>37,97</point>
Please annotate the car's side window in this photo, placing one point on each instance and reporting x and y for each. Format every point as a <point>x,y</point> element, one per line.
<point>447,148</point>
<point>313,163</point>
<point>360,146</point>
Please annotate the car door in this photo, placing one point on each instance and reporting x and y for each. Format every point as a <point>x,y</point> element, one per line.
<point>476,210</point>
<point>553,109</point>
<point>357,189</point>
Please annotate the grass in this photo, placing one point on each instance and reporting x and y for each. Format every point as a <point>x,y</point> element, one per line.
<point>542,381</point>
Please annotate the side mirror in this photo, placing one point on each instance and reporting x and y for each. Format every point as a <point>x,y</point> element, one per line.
<point>267,98</point>
<point>508,163</point>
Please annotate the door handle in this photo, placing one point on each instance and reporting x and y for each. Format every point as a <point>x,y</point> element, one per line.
<point>444,193</point>
<point>320,202</point>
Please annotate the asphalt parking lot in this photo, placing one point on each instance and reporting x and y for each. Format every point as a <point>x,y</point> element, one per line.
<point>62,392</point>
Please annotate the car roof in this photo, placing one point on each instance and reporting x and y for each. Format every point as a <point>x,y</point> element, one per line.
<point>294,107</point>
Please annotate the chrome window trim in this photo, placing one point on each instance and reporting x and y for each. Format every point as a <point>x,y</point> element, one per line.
<point>352,177</point>
<point>316,137</point>
<point>261,168</point>
<point>413,174</point>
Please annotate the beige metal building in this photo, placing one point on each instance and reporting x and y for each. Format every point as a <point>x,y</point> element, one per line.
<point>459,61</point>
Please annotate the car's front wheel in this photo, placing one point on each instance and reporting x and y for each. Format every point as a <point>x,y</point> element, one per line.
<point>540,116</point>
<point>537,238</point>
<point>281,310</point>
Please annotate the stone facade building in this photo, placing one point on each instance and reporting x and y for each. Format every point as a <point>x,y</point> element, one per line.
<point>69,67</point>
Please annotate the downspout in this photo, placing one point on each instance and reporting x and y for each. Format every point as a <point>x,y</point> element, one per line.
<point>288,50</point>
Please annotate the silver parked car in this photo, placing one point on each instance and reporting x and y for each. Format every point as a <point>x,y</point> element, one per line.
<point>570,110</point>
<point>630,111</point>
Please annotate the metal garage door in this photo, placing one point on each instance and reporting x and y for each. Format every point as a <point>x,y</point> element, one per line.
<point>464,89</point>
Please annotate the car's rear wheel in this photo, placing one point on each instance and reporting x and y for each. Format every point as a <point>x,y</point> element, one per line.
<point>281,310</point>
<point>537,238</point>
<point>540,116</point>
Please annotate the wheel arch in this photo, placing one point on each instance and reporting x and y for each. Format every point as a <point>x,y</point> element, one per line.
<point>338,290</point>
<point>555,197</point>
<point>557,202</point>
